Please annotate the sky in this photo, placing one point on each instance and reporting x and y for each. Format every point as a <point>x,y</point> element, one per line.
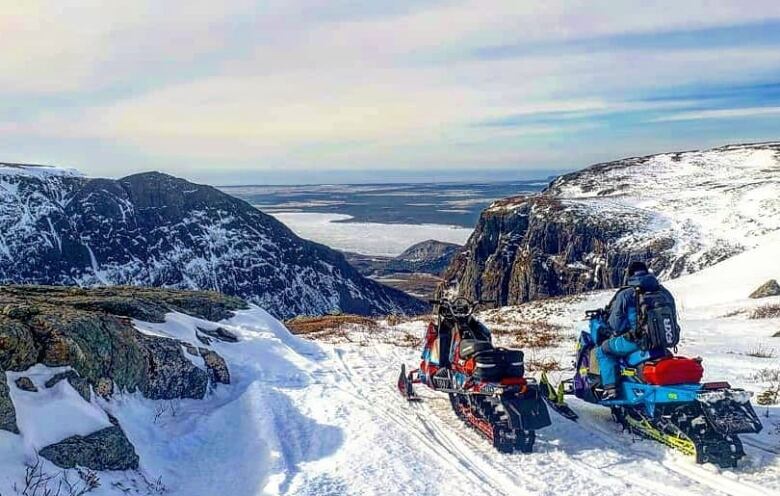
<point>302,91</point>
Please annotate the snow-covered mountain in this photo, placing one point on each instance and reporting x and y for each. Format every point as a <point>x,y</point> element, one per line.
<point>151,229</point>
<point>679,211</point>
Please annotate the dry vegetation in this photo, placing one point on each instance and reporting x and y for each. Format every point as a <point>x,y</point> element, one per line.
<point>543,364</point>
<point>314,327</point>
<point>761,351</point>
<point>531,334</point>
<point>766,312</point>
<point>359,330</point>
<point>771,394</point>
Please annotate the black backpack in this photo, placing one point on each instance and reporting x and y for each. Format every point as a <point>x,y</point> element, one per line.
<point>657,325</point>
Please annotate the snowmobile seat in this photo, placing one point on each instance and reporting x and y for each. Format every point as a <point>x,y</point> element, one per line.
<point>638,357</point>
<point>495,364</point>
<point>470,347</point>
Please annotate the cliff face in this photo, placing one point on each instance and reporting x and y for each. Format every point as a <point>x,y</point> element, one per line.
<point>152,229</point>
<point>678,212</point>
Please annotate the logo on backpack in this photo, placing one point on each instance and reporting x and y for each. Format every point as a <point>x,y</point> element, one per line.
<point>668,327</point>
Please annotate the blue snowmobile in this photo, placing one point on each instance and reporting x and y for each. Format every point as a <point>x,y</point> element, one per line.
<point>661,397</point>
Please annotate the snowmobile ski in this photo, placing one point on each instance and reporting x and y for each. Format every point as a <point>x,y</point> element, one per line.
<point>555,398</point>
<point>406,387</point>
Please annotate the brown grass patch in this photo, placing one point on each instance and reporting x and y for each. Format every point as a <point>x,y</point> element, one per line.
<point>328,324</point>
<point>363,331</point>
<point>545,364</point>
<point>531,334</point>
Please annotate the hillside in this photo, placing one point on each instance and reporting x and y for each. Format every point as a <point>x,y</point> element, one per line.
<point>228,401</point>
<point>151,229</point>
<point>680,212</point>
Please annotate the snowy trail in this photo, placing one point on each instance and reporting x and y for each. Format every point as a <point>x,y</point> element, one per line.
<point>591,457</point>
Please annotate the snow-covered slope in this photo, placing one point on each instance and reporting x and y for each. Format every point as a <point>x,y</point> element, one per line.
<point>306,418</point>
<point>57,227</point>
<point>680,212</point>
<point>712,203</point>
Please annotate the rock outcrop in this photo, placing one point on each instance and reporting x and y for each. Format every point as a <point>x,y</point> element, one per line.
<point>153,229</point>
<point>580,233</point>
<point>92,332</point>
<point>7,410</point>
<point>106,449</point>
<point>769,288</point>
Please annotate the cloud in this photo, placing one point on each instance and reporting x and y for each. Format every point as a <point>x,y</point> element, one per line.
<point>336,83</point>
<point>719,114</point>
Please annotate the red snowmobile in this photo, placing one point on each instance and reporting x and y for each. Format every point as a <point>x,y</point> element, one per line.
<point>485,384</point>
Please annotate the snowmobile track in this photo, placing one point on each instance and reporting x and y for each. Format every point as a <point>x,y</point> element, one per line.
<point>562,461</point>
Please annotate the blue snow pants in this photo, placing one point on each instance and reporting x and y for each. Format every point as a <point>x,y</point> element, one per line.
<point>607,355</point>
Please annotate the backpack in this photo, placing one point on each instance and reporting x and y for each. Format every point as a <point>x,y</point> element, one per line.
<point>657,326</point>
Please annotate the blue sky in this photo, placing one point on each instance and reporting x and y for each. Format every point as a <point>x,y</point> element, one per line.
<point>338,91</point>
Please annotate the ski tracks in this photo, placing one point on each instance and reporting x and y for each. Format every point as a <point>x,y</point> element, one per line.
<point>581,458</point>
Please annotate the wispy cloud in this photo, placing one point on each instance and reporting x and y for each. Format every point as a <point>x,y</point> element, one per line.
<point>199,86</point>
<point>719,114</point>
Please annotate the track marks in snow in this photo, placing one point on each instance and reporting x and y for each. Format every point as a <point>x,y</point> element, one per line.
<point>591,457</point>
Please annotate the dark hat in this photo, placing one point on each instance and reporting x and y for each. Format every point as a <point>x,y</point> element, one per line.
<point>636,267</point>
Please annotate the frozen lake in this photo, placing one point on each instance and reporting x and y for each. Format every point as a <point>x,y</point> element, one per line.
<point>368,238</point>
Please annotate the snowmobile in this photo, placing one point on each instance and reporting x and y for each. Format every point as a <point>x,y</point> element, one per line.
<point>660,396</point>
<point>486,384</point>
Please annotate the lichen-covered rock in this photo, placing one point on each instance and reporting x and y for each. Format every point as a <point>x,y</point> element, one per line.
<point>17,346</point>
<point>92,332</point>
<point>106,449</point>
<point>170,374</point>
<point>80,385</point>
<point>7,410</point>
<point>769,288</point>
<point>218,369</point>
<point>26,384</point>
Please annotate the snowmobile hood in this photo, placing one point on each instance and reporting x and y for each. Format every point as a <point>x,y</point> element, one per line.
<point>644,281</point>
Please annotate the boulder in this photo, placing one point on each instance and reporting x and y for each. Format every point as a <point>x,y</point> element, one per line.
<point>7,410</point>
<point>17,346</point>
<point>220,334</point>
<point>170,374</point>
<point>26,384</point>
<point>769,288</point>
<point>106,449</point>
<point>218,370</point>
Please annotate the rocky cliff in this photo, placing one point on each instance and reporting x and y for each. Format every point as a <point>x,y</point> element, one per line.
<point>679,212</point>
<point>151,229</point>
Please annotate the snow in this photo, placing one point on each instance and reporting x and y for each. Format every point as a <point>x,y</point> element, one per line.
<point>33,409</point>
<point>39,171</point>
<point>306,418</point>
<point>368,238</point>
<point>712,203</point>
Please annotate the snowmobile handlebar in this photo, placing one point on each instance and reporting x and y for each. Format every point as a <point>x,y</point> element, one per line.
<point>459,307</point>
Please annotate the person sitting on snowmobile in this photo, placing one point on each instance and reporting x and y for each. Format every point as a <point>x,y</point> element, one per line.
<point>622,321</point>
